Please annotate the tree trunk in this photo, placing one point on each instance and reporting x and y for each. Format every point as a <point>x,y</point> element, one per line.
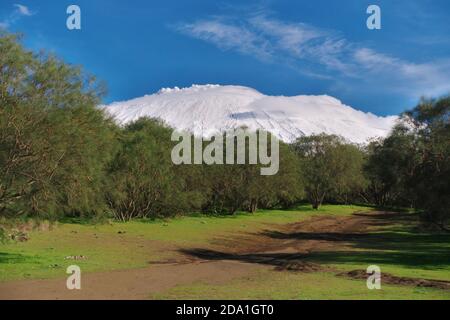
<point>317,201</point>
<point>315,205</point>
<point>253,206</point>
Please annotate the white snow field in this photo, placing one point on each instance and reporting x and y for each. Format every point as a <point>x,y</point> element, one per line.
<point>205,110</point>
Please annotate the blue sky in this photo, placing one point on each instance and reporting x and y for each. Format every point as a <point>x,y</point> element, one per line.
<point>277,47</point>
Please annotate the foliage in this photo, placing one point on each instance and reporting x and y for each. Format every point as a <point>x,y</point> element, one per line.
<point>243,187</point>
<point>412,166</point>
<point>60,155</point>
<point>331,167</point>
<point>142,179</point>
<point>54,142</point>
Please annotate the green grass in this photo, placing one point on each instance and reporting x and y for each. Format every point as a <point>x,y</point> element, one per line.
<point>43,256</point>
<point>398,248</point>
<point>295,285</point>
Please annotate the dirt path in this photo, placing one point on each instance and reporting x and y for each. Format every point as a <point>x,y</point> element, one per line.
<point>282,247</point>
<point>127,284</point>
<point>288,246</point>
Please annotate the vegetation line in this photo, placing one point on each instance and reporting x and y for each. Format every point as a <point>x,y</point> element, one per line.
<point>60,156</point>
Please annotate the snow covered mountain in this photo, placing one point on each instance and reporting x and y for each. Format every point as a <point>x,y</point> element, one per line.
<point>207,109</point>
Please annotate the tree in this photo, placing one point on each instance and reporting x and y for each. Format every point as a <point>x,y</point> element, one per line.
<point>411,166</point>
<point>142,177</point>
<point>54,142</point>
<point>391,162</point>
<point>287,186</point>
<point>429,126</point>
<point>243,187</point>
<point>330,167</point>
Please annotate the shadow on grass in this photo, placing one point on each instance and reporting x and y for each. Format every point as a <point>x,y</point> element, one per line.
<point>82,221</point>
<point>398,243</point>
<point>12,258</point>
<point>204,215</point>
<point>273,259</point>
<point>395,242</point>
<point>422,259</point>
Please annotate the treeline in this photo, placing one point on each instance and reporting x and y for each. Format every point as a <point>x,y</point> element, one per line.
<point>411,167</point>
<point>61,156</point>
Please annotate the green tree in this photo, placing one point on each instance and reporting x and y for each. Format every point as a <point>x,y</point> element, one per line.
<point>143,178</point>
<point>331,167</point>
<point>390,164</point>
<point>243,187</point>
<point>428,125</point>
<point>412,166</point>
<point>54,142</point>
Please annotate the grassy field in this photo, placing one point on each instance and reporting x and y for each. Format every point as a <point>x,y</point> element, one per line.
<point>398,249</point>
<point>43,256</point>
<point>304,286</point>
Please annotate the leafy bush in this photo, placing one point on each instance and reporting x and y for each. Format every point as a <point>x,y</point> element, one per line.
<point>54,142</point>
<point>142,179</point>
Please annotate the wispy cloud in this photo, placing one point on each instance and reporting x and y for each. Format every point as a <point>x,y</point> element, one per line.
<point>23,10</point>
<point>320,53</point>
<point>430,78</point>
<point>229,37</point>
<point>18,11</point>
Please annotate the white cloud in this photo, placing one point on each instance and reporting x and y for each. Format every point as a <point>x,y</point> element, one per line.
<point>228,37</point>
<point>431,78</point>
<point>373,60</point>
<point>19,11</point>
<point>23,10</point>
<point>318,53</point>
<point>271,39</point>
<point>291,37</point>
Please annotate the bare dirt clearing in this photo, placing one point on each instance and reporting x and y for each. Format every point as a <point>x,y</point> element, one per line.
<point>294,246</point>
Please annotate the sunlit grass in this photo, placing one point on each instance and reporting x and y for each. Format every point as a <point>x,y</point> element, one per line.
<point>399,249</point>
<point>110,246</point>
<point>267,285</point>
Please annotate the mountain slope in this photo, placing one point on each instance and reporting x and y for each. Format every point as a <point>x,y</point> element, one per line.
<point>207,109</point>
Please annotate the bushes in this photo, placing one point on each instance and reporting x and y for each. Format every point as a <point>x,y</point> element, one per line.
<point>54,142</point>
<point>430,183</point>
<point>242,187</point>
<point>332,168</point>
<point>142,181</point>
<point>412,166</point>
